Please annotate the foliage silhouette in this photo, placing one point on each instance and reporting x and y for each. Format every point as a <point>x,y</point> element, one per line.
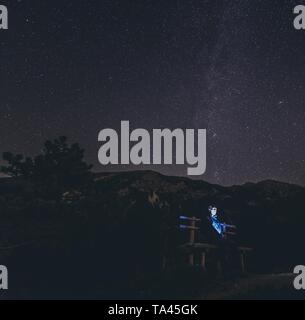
<point>59,168</point>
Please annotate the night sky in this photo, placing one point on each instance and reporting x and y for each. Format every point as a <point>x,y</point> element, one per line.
<point>236,68</point>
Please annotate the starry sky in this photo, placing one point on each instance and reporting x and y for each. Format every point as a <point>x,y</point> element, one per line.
<point>235,67</point>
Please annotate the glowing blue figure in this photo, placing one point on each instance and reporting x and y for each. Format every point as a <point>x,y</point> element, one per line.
<point>217,225</point>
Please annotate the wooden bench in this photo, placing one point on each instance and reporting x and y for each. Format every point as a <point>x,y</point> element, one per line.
<point>203,249</point>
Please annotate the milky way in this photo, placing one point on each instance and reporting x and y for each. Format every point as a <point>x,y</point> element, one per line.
<point>236,68</point>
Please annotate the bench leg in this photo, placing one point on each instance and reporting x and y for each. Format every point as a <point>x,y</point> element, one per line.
<point>243,262</point>
<point>203,260</point>
<point>191,259</point>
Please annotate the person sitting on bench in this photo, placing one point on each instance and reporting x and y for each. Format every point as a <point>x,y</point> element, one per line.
<point>228,253</point>
<point>217,225</point>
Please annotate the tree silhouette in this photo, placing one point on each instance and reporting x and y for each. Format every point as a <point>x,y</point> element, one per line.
<point>17,165</point>
<point>60,166</point>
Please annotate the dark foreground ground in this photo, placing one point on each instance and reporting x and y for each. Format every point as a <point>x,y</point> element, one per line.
<point>257,287</point>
